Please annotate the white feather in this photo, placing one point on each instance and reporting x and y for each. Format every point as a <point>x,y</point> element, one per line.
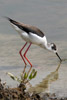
<point>16,28</point>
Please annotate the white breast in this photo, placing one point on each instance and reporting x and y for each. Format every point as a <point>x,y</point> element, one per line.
<point>34,39</point>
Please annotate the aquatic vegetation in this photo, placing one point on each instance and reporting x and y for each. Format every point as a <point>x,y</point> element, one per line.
<point>24,76</point>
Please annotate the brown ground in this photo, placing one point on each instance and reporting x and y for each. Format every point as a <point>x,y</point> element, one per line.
<point>20,94</point>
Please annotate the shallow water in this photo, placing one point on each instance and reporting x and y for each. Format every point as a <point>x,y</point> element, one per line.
<point>43,61</point>
<point>51,17</point>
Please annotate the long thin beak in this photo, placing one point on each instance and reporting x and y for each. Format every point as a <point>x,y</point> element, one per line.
<point>58,56</point>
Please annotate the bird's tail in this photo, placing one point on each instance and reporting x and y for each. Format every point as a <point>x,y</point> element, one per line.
<point>14,23</point>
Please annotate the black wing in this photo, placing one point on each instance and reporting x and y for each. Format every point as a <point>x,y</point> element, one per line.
<point>27,28</point>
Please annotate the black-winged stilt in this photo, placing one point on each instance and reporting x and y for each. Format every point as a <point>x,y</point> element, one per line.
<point>32,35</point>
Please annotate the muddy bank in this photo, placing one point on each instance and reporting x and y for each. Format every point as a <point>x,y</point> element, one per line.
<point>19,93</point>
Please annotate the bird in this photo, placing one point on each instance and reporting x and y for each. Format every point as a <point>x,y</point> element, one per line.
<point>32,35</point>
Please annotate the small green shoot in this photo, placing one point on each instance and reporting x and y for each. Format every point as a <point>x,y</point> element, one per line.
<point>33,74</point>
<point>24,77</point>
<point>14,77</point>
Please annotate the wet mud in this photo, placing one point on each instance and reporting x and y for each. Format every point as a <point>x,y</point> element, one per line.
<point>19,93</point>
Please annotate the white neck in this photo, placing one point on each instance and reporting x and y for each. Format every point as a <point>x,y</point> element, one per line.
<point>45,45</point>
<point>48,46</point>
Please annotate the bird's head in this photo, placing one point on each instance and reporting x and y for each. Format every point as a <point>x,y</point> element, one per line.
<point>52,47</point>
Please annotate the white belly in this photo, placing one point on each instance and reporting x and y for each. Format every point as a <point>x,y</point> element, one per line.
<point>25,36</point>
<point>33,38</point>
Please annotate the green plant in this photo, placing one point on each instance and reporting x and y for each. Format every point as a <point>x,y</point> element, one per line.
<point>24,77</point>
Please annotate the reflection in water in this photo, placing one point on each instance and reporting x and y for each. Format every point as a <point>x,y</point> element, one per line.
<point>45,84</point>
<point>11,61</point>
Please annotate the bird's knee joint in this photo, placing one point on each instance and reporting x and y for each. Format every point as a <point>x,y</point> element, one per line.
<point>19,52</point>
<point>24,55</point>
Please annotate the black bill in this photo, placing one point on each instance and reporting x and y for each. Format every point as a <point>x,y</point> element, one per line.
<point>58,56</point>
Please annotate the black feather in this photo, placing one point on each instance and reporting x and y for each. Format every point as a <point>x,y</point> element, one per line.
<point>27,28</point>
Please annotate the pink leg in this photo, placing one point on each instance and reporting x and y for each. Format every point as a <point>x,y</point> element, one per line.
<point>27,58</point>
<point>22,56</point>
